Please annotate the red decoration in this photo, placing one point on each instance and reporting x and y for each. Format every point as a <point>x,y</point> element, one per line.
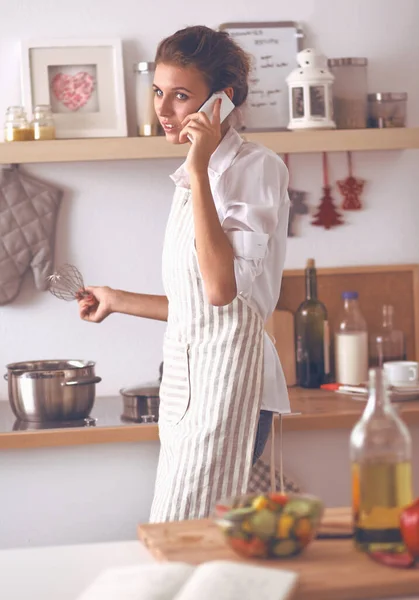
<point>327,215</point>
<point>351,188</point>
<point>298,204</point>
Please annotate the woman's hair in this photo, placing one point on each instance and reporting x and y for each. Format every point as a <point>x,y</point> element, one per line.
<point>222,62</point>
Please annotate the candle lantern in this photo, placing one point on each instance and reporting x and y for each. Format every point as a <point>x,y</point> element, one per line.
<point>310,93</point>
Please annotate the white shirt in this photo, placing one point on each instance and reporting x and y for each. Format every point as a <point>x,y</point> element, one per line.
<point>249,186</point>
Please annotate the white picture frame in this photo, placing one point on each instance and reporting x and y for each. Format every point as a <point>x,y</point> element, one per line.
<point>82,80</point>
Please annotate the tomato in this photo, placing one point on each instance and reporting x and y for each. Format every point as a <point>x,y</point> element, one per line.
<point>280,499</point>
<point>409,526</point>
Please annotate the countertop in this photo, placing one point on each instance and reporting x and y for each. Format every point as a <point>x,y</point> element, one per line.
<point>310,410</point>
<point>64,572</point>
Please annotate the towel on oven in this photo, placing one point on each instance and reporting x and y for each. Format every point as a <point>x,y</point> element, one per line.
<point>28,214</point>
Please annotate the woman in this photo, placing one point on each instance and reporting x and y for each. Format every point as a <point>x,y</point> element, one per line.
<point>223,258</point>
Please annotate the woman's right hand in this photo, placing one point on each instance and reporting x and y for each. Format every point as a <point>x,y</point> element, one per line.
<point>97,305</point>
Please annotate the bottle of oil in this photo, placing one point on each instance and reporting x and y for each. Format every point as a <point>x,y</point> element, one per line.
<point>380,448</point>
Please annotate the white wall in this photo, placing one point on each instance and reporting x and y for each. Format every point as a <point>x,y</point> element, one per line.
<point>112,220</point>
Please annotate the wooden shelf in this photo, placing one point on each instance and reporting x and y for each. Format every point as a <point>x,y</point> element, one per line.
<point>133,148</point>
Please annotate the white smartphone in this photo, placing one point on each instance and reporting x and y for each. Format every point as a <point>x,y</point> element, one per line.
<point>226,108</point>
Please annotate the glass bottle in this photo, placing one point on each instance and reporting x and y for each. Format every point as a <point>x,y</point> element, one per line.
<point>43,123</point>
<point>350,89</point>
<point>147,121</point>
<point>16,126</point>
<point>380,452</point>
<point>312,335</point>
<point>351,343</point>
<point>387,343</point>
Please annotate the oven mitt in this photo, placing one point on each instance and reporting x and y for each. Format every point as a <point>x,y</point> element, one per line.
<point>28,214</point>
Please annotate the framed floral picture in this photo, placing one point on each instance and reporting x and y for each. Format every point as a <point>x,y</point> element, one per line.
<point>82,81</point>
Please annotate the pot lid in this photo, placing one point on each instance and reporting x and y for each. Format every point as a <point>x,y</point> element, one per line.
<point>146,389</point>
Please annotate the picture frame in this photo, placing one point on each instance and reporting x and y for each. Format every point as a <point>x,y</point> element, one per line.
<point>83,82</point>
<point>273,47</point>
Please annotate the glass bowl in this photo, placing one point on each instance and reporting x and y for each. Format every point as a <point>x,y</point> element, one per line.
<point>272,525</point>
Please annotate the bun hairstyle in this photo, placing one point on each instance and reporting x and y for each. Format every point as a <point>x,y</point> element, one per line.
<point>222,62</point>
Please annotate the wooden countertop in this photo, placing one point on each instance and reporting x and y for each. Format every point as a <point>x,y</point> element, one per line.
<point>311,410</point>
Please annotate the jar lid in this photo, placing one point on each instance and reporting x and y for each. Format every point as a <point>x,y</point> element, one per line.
<point>349,295</point>
<point>144,66</point>
<point>387,96</point>
<point>354,61</point>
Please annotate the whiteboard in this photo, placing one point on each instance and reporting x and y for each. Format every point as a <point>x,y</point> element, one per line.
<point>273,47</point>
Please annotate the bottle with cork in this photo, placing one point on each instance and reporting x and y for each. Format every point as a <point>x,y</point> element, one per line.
<point>312,335</point>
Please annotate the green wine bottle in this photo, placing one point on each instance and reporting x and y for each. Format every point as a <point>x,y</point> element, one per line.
<point>312,335</point>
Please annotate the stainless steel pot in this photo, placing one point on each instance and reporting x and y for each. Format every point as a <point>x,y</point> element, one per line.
<point>52,390</point>
<point>141,404</point>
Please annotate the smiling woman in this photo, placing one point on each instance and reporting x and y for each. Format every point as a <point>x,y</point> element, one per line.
<point>223,258</point>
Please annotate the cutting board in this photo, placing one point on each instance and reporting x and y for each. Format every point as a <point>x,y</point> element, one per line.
<point>280,326</point>
<point>328,569</point>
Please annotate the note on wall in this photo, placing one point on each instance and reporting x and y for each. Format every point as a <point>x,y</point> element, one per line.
<point>273,48</point>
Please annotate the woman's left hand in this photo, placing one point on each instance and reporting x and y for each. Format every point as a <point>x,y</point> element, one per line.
<point>205,135</point>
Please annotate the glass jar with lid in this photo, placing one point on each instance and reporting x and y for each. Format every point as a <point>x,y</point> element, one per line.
<point>43,123</point>
<point>387,110</point>
<point>147,121</point>
<point>350,90</point>
<point>16,126</point>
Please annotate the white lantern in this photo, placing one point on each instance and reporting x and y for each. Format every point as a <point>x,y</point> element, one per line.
<point>310,93</point>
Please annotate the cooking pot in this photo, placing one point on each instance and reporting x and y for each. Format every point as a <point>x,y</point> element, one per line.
<point>141,403</point>
<point>51,390</point>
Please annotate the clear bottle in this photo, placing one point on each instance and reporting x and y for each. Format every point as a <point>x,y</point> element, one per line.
<point>312,335</point>
<point>147,121</point>
<point>381,453</point>
<point>388,343</point>
<point>351,343</point>
<point>43,123</point>
<point>16,126</point>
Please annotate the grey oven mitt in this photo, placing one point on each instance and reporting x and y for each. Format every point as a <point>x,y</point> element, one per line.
<point>28,214</point>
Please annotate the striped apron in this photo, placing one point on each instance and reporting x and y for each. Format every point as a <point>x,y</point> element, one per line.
<point>211,390</point>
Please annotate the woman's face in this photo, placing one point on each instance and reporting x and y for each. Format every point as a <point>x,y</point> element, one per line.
<point>178,92</point>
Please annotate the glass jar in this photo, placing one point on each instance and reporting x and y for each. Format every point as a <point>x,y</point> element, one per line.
<point>387,110</point>
<point>351,343</point>
<point>388,343</point>
<point>147,121</point>
<point>16,126</point>
<point>43,123</point>
<point>381,455</point>
<point>350,90</point>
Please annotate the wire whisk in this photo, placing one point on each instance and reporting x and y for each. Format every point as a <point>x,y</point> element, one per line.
<point>66,283</point>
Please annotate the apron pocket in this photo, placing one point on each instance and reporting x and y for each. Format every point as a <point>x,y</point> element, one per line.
<point>175,390</point>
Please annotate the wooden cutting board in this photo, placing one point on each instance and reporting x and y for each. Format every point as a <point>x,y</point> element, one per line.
<point>281,328</point>
<point>329,569</point>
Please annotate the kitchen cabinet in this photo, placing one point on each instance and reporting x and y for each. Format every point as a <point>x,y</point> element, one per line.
<point>133,148</point>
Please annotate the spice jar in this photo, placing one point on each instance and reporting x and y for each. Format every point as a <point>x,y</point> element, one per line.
<point>387,110</point>
<point>16,126</point>
<point>350,90</point>
<point>43,123</point>
<point>147,121</point>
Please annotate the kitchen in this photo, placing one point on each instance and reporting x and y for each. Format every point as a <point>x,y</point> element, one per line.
<point>106,229</point>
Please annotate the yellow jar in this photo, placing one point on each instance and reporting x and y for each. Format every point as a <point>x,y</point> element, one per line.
<point>43,123</point>
<point>16,126</point>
